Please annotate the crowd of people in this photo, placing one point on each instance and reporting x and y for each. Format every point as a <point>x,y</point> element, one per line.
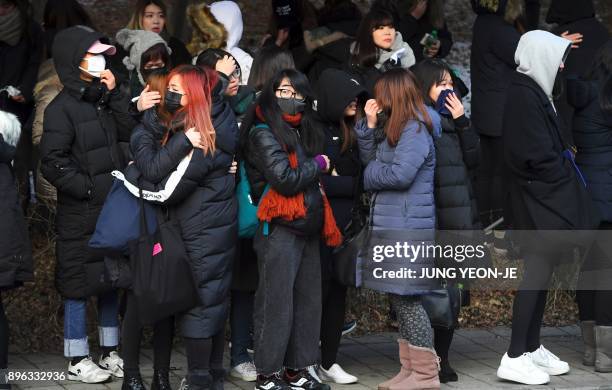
<point>338,120</point>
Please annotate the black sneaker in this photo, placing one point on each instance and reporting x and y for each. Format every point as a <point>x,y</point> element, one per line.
<point>303,380</point>
<point>274,382</point>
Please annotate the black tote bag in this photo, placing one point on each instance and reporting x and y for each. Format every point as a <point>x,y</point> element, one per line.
<point>162,283</point>
<point>345,256</point>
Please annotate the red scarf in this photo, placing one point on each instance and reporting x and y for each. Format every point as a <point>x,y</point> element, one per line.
<point>274,205</point>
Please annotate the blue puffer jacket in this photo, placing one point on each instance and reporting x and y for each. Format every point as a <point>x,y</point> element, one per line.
<point>402,178</point>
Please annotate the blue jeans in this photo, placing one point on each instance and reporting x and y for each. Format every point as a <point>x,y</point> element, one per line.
<point>75,326</point>
<point>241,321</point>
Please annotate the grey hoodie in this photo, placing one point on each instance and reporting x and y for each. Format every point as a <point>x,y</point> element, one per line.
<point>539,55</point>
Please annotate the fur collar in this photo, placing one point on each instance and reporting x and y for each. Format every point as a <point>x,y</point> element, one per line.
<point>10,128</point>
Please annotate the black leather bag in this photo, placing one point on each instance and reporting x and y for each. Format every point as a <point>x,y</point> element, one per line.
<point>442,306</point>
<point>345,256</point>
<point>162,280</point>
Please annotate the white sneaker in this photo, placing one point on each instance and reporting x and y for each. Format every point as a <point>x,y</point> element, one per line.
<point>312,370</point>
<point>549,362</point>
<point>113,364</point>
<point>183,384</point>
<point>522,370</point>
<point>245,371</point>
<point>87,371</point>
<point>337,375</point>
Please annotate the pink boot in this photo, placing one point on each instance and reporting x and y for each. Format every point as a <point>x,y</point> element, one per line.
<point>425,366</point>
<point>404,356</point>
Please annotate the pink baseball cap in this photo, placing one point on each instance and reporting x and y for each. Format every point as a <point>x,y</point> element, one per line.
<point>100,48</point>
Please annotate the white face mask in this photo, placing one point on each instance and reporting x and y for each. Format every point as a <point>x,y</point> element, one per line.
<point>95,65</point>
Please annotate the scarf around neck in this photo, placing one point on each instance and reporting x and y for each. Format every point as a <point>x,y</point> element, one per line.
<point>10,27</point>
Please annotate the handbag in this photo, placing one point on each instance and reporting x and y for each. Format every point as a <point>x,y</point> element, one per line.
<point>119,220</point>
<point>443,305</point>
<point>345,256</point>
<point>162,282</point>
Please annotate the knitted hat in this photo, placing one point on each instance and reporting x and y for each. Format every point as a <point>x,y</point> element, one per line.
<point>136,42</point>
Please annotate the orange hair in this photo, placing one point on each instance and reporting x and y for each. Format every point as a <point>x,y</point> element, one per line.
<point>198,84</point>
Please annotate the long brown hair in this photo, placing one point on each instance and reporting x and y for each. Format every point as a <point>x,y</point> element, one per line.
<point>398,95</point>
<point>157,83</point>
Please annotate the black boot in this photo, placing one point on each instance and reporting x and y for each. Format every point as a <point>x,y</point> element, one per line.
<point>200,380</point>
<point>218,377</point>
<point>161,380</point>
<point>447,374</point>
<point>132,382</point>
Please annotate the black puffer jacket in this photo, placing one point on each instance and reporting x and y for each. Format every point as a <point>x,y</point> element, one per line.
<point>15,253</point>
<point>457,153</point>
<point>205,206</point>
<point>268,162</point>
<point>592,130</point>
<point>82,143</point>
<point>335,91</point>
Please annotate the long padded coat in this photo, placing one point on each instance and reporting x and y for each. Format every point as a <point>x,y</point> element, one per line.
<point>402,177</point>
<point>205,206</point>
<point>82,143</point>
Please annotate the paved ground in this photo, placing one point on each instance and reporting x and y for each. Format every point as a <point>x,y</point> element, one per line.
<point>475,355</point>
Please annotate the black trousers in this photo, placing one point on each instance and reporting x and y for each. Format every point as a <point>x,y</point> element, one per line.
<point>4,336</point>
<point>131,334</point>
<point>204,355</point>
<point>333,310</point>
<point>596,305</point>
<point>489,180</point>
<point>530,302</point>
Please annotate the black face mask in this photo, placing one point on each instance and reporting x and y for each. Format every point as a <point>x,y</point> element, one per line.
<point>172,101</point>
<point>146,73</point>
<point>291,106</point>
<point>94,91</point>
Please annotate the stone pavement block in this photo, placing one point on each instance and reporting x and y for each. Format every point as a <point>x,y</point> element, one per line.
<point>480,355</point>
<point>573,330</point>
<point>476,334</point>
<point>38,386</point>
<point>374,339</point>
<point>82,386</point>
<point>551,331</point>
<point>501,331</point>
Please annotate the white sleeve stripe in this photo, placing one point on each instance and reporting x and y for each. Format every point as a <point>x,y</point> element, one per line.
<point>165,193</point>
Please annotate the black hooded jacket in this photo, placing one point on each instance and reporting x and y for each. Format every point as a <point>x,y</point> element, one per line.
<point>335,91</point>
<point>204,204</point>
<point>592,128</point>
<point>492,63</point>
<point>578,17</point>
<point>82,143</point>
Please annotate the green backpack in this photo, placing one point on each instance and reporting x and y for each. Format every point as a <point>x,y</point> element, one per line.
<point>247,209</point>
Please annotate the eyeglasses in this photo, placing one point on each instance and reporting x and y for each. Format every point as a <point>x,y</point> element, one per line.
<point>237,73</point>
<point>288,94</point>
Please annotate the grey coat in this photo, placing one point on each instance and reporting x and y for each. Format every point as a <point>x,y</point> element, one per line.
<point>402,177</point>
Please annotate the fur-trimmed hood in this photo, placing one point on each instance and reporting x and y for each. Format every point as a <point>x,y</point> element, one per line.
<point>10,128</point>
<point>207,31</point>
